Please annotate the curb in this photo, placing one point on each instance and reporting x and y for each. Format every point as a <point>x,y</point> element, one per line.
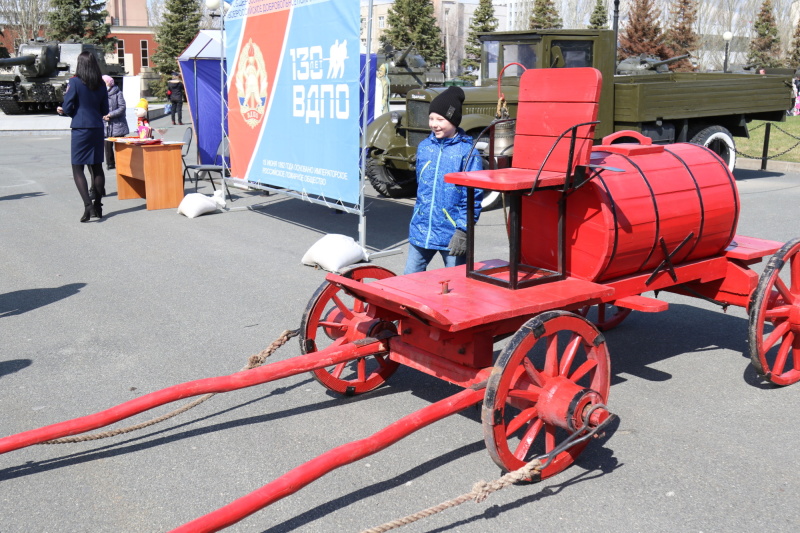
<point>776,166</point>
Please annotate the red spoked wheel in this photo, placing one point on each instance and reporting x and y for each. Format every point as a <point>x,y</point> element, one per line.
<point>550,375</point>
<point>605,316</point>
<point>774,329</point>
<point>333,317</point>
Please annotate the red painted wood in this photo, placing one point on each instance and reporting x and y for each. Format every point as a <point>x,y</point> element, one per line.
<point>248,378</point>
<point>314,469</point>
<point>642,303</point>
<point>749,248</point>
<point>615,222</point>
<point>550,102</point>
<point>434,364</point>
<point>470,302</point>
<point>506,179</point>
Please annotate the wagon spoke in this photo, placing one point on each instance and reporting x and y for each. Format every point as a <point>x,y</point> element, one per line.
<point>337,371</point>
<point>778,312</point>
<point>359,306</point>
<point>783,290</point>
<point>535,376</point>
<point>524,417</point>
<point>332,325</point>
<point>549,438</point>
<point>588,366</point>
<point>569,355</point>
<point>601,313</point>
<point>532,395</point>
<point>551,356</point>
<point>777,333</point>
<point>794,274</point>
<point>527,440</point>
<point>361,364</point>
<point>342,306</point>
<point>783,354</point>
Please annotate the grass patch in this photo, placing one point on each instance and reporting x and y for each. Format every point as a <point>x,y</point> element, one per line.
<point>779,141</point>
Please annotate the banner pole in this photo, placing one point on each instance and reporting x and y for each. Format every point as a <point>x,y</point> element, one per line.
<point>362,219</point>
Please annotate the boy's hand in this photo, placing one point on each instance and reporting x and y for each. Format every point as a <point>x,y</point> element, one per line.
<point>458,244</point>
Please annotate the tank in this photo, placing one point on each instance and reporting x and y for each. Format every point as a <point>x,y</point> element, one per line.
<point>408,70</point>
<point>646,64</point>
<point>682,193</point>
<point>36,78</point>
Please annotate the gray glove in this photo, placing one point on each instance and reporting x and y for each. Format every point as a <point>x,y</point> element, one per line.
<point>458,244</point>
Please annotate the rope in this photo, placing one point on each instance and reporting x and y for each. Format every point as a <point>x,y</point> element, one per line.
<point>253,361</point>
<point>480,491</point>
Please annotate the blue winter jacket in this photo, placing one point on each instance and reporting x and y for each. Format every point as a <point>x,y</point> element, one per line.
<point>442,207</point>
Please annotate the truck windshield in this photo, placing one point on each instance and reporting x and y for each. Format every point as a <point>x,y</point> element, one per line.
<point>576,53</point>
<point>498,55</point>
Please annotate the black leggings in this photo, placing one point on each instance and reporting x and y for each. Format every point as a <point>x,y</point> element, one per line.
<point>98,181</point>
<point>177,107</point>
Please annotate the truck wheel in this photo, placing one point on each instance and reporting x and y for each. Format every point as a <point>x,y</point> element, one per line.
<point>393,183</point>
<point>720,141</point>
<point>491,200</point>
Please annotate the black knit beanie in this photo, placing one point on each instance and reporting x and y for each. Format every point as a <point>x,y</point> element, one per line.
<point>448,104</point>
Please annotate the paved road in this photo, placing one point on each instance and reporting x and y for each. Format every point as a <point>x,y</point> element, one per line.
<point>96,314</point>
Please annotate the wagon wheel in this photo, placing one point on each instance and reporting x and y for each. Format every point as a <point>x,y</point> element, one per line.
<point>605,316</point>
<point>331,318</point>
<point>554,368</point>
<point>774,330</point>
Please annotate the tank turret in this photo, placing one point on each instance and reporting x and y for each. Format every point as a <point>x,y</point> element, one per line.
<point>646,64</point>
<point>36,78</point>
<point>408,70</point>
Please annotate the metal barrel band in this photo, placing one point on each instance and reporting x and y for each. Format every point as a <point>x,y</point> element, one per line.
<point>253,361</point>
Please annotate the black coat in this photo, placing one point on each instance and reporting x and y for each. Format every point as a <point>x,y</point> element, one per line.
<point>177,90</point>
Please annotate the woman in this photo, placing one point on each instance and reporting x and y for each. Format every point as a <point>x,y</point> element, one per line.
<point>175,92</point>
<point>116,123</point>
<point>86,101</point>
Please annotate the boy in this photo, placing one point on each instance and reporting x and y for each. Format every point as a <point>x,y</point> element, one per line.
<point>439,222</point>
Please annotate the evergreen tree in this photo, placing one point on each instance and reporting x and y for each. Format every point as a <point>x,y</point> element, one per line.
<point>642,34</point>
<point>545,16</point>
<point>680,37</point>
<point>598,20</point>
<point>765,47</point>
<point>413,22</point>
<point>180,23</point>
<point>86,21</point>
<point>793,59</point>
<point>483,20</point>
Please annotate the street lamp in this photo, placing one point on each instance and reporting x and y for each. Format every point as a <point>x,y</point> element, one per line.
<point>727,36</point>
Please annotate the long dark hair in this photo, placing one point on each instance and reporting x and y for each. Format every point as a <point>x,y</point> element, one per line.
<point>88,70</point>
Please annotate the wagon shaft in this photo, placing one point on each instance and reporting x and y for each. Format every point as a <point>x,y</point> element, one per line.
<point>334,355</point>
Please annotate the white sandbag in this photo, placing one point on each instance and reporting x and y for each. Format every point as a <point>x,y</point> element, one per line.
<point>333,252</point>
<point>196,204</point>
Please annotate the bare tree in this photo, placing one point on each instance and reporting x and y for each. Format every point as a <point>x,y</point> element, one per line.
<point>23,18</point>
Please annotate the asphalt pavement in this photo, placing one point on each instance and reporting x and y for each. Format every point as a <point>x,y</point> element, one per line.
<point>99,313</point>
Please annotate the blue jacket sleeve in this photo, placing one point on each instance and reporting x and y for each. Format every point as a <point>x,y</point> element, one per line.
<point>70,104</point>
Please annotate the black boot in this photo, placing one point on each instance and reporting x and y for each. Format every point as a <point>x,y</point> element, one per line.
<point>97,208</point>
<point>88,212</point>
<point>91,193</point>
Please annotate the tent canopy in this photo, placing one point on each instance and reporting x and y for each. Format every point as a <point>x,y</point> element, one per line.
<point>203,78</point>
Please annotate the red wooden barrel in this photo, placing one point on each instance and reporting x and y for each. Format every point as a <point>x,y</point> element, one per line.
<point>615,223</point>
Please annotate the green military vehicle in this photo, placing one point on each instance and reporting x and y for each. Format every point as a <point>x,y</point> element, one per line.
<point>35,80</point>
<point>704,108</point>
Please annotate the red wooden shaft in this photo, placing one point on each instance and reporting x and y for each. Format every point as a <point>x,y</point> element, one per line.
<point>314,469</point>
<point>280,369</point>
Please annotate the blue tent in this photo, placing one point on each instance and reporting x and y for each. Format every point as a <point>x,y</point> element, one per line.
<point>204,82</point>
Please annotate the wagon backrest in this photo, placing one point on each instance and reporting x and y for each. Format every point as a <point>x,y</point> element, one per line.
<point>551,101</point>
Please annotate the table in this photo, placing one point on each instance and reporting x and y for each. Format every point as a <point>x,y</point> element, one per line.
<point>152,171</point>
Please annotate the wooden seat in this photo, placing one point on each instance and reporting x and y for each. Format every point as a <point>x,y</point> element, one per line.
<point>554,132</point>
<point>553,143</point>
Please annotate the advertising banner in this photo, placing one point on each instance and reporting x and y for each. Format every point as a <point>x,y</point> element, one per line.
<point>293,93</point>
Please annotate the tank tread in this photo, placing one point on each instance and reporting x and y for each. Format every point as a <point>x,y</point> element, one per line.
<point>11,107</point>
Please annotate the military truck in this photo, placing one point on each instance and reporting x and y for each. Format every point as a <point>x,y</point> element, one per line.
<point>40,73</point>
<point>704,108</point>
